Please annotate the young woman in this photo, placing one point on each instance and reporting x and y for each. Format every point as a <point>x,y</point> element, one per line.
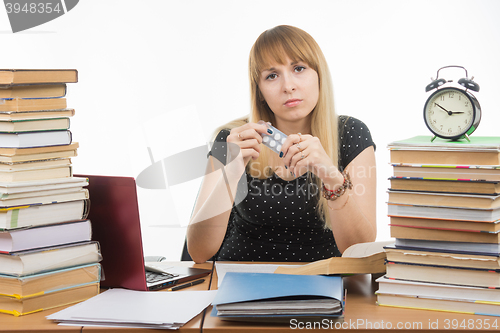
<point>313,199</point>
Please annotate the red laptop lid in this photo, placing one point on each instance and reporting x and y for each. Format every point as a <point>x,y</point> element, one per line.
<point>114,214</point>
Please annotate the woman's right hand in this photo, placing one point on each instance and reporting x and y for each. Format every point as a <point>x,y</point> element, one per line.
<point>248,139</point>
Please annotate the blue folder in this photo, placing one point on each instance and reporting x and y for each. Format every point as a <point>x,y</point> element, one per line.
<point>244,287</point>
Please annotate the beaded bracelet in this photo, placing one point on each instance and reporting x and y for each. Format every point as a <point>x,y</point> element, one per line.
<point>334,195</point>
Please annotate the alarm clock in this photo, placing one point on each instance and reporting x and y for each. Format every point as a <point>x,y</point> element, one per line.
<point>451,111</point>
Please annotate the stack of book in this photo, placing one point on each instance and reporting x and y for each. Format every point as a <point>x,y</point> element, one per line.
<point>47,258</point>
<point>444,210</point>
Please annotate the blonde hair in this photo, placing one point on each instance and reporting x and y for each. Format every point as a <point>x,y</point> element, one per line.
<point>274,46</point>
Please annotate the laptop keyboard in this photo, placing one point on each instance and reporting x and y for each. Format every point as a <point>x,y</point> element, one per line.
<point>152,277</point>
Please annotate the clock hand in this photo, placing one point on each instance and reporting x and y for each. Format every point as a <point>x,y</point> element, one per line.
<point>449,112</point>
<point>456,112</point>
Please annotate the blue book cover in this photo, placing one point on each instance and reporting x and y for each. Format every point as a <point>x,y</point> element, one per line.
<point>245,287</point>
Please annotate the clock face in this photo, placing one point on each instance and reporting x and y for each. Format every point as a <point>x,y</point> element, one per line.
<point>449,113</point>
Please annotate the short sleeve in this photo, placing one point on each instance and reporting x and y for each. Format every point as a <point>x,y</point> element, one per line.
<point>219,147</point>
<point>354,137</point>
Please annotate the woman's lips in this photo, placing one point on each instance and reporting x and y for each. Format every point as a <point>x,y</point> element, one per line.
<point>292,102</point>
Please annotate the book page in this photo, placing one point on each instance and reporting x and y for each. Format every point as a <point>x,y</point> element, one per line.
<point>361,250</point>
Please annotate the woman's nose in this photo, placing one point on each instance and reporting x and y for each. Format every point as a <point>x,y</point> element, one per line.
<point>288,83</point>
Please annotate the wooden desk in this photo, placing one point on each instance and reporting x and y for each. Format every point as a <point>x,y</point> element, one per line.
<point>362,314</point>
<point>35,322</point>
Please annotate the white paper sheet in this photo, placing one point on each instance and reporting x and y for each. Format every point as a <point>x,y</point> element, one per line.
<point>137,308</point>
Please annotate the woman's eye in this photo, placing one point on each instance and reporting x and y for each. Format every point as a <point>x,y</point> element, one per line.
<point>271,76</point>
<point>299,68</point>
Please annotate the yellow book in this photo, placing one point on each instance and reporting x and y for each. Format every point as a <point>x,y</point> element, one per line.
<point>35,174</point>
<point>36,104</point>
<point>455,305</point>
<point>34,91</point>
<point>24,306</point>
<point>21,287</point>
<point>41,114</point>
<point>11,77</point>
<point>11,155</point>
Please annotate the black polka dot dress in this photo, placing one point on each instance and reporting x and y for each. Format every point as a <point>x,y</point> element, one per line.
<point>274,219</point>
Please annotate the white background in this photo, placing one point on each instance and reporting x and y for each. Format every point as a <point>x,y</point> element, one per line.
<point>165,74</point>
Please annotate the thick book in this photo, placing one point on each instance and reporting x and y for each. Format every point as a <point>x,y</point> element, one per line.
<point>13,155</point>
<point>42,114</point>
<point>443,258</point>
<point>24,306</point>
<point>448,172</point>
<point>35,188</point>
<point>420,149</point>
<point>449,246</point>
<point>41,164</point>
<point>11,159</point>
<point>30,262</point>
<point>464,276</point>
<point>26,216</point>
<point>446,157</point>
<point>10,77</point>
<point>436,290</point>
<point>361,258</point>
<point>420,184</point>
<point>35,174</point>
<point>454,305</point>
<point>445,213</point>
<point>471,226</point>
<point>44,198</point>
<point>35,139</point>
<point>32,104</point>
<point>408,232</point>
<point>48,282</point>
<point>16,240</point>
<point>445,199</point>
<point>34,91</point>
<point>263,295</point>
<point>39,197</point>
<point>34,125</point>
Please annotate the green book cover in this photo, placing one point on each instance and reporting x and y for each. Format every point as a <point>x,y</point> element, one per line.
<point>423,142</point>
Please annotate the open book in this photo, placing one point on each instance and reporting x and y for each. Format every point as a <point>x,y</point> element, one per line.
<point>362,258</point>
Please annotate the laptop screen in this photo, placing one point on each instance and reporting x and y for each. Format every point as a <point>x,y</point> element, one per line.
<point>114,214</point>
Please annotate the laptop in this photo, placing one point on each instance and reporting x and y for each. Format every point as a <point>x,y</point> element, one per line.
<point>114,214</point>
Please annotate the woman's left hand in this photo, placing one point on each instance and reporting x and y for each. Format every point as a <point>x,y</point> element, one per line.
<point>304,152</point>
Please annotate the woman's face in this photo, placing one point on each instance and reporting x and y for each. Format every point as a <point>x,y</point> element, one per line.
<point>291,90</point>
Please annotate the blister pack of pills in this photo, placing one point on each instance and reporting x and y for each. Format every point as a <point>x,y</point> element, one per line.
<point>273,139</point>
